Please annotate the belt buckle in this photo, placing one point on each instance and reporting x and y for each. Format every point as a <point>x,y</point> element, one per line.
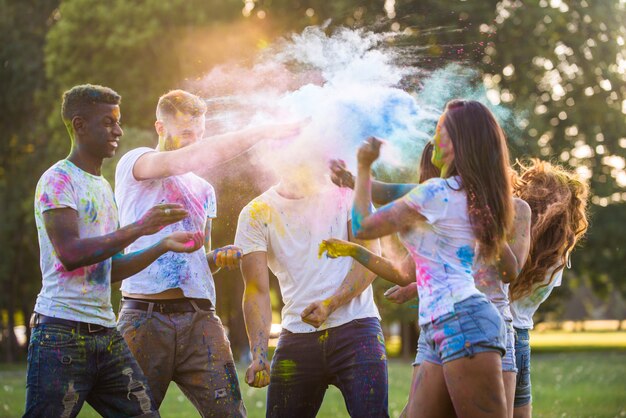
<point>97,328</point>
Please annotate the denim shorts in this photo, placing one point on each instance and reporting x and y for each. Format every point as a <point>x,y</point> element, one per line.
<point>508,361</point>
<point>474,327</point>
<point>522,358</point>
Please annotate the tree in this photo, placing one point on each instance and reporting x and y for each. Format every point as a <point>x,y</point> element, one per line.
<point>23,27</point>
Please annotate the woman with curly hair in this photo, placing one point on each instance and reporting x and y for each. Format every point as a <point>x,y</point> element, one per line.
<point>558,201</point>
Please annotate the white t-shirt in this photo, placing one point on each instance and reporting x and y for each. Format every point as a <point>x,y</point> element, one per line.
<point>488,282</point>
<point>83,294</point>
<point>187,271</point>
<point>290,231</point>
<point>442,247</point>
<point>523,309</point>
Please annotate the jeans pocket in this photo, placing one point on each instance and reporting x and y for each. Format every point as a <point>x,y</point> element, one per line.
<point>128,318</point>
<point>55,336</point>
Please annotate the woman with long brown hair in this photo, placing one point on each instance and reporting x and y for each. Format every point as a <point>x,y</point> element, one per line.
<point>488,278</point>
<point>469,206</point>
<point>558,201</point>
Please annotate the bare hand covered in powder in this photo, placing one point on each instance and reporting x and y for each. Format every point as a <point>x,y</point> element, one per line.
<point>316,313</point>
<point>401,294</point>
<point>340,175</point>
<point>258,373</point>
<point>160,216</point>
<point>228,256</point>
<point>369,151</point>
<point>334,248</point>
<point>184,242</point>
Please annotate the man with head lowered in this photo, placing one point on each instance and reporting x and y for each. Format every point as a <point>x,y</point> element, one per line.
<point>168,310</point>
<point>75,353</point>
<point>331,331</point>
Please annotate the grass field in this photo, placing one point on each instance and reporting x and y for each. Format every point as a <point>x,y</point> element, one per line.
<point>570,384</point>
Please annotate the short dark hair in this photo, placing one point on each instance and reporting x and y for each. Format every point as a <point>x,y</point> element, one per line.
<point>78,99</point>
<point>181,101</point>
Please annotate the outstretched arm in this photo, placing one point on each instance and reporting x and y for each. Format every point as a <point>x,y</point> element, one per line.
<point>382,267</point>
<point>208,152</point>
<point>382,193</point>
<point>74,252</point>
<point>257,314</point>
<point>355,282</point>
<point>126,265</point>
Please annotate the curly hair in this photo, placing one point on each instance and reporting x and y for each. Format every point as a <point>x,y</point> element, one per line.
<point>79,99</point>
<point>481,159</point>
<point>558,201</point>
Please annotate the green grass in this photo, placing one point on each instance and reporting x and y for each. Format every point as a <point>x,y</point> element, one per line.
<point>558,341</point>
<point>572,384</point>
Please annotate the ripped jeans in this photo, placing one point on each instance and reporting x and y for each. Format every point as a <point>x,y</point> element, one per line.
<point>189,348</point>
<point>67,368</point>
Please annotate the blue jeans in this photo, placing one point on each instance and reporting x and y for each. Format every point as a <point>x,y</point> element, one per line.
<point>351,356</point>
<point>67,368</point>
<point>474,327</point>
<point>522,359</point>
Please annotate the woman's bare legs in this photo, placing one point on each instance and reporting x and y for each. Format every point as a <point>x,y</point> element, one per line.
<point>429,396</point>
<point>509,379</point>
<point>475,386</point>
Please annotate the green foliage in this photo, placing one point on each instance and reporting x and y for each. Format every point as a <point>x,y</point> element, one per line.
<point>128,46</point>
<point>23,26</point>
<point>558,65</point>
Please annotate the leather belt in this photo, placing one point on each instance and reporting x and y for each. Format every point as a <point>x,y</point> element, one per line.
<point>168,307</point>
<point>81,327</point>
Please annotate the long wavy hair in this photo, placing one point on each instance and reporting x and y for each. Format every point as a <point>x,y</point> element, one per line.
<point>558,201</point>
<point>481,159</point>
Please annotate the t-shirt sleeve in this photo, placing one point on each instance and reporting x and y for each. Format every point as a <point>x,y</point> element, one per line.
<point>558,277</point>
<point>124,169</point>
<point>430,199</point>
<point>251,232</point>
<point>55,191</point>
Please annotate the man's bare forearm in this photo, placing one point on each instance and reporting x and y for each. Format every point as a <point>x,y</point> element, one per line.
<point>257,313</point>
<point>126,265</point>
<point>82,252</point>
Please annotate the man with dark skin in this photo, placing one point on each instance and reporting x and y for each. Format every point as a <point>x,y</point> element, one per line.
<point>75,353</point>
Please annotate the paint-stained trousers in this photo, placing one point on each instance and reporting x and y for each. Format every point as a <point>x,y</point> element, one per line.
<point>189,348</point>
<point>351,357</point>
<point>67,368</point>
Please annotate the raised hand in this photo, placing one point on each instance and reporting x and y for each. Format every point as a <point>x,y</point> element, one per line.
<point>228,256</point>
<point>258,373</point>
<point>160,216</point>
<point>184,242</point>
<point>334,248</point>
<point>340,175</point>
<point>401,294</point>
<point>369,152</point>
